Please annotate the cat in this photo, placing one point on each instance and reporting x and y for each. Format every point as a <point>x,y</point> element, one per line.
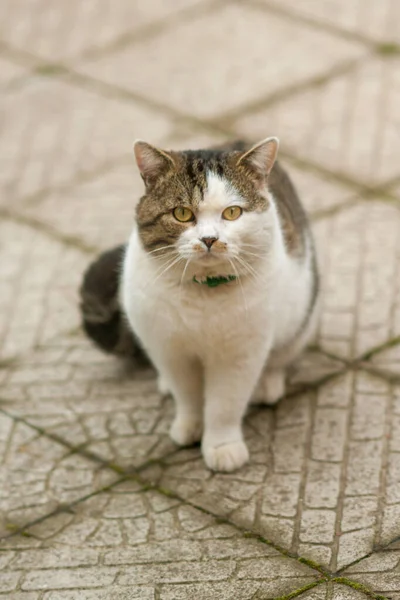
<point>219,285</point>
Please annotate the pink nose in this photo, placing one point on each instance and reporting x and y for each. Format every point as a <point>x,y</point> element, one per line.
<point>208,241</point>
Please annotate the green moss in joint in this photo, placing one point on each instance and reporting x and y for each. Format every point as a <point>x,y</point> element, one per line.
<point>388,49</point>
<point>301,590</point>
<point>360,587</point>
<point>50,70</point>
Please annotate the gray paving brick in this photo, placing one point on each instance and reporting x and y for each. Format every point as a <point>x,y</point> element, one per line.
<point>310,123</point>
<point>225,85</point>
<point>55,560</point>
<point>56,132</point>
<point>380,571</point>
<point>38,476</point>
<point>323,481</point>
<point>66,32</point>
<point>376,21</point>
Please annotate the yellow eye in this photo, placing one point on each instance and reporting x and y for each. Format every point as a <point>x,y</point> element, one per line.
<point>232,213</point>
<point>183,214</point>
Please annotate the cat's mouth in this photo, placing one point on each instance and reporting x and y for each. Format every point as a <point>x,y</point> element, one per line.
<point>211,258</point>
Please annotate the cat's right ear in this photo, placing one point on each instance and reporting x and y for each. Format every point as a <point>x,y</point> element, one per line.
<point>151,161</point>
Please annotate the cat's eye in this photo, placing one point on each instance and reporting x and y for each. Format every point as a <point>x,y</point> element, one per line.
<point>183,214</point>
<point>232,213</point>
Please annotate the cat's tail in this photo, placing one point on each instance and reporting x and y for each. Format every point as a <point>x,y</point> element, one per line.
<point>102,317</point>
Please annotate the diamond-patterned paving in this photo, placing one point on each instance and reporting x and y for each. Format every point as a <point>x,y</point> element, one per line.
<point>96,501</point>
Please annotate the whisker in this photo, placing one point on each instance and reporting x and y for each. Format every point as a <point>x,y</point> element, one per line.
<point>169,262</point>
<point>248,268</point>
<point>174,262</point>
<point>181,281</point>
<point>162,248</point>
<point>241,286</point>
<point>253,254</point>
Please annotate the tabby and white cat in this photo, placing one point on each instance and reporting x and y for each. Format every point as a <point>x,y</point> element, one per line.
<point>219,280</point>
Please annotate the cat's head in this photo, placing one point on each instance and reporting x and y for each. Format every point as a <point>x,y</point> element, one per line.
<point>208,207</point>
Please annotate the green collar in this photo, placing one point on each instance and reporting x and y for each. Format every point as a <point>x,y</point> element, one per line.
<point>215,281</point>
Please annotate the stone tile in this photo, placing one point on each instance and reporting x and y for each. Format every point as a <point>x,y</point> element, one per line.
<point>225,84</point>
<point>333,591</point>
<point>133,543</point>
<point>353,546</point>
<point>322,466</point>
<point>380,572</point>
<point>344,125</point>
<point>318,592</point>
<point>344,592</point>
<point>330,434</point>
<point>110,198</point>
<point>388,361</point>
<point>39,279</point>
<point>10,71</point>
<point>38,476</point>
<point>85,397</point>
<point>318,524</point>
<point>310,368</point>
<point>62,33</point>
<point>377,21</point>
<point>264,495</point>
<point>360,267</point>
<point>318,193</point>
<point>56,132</point>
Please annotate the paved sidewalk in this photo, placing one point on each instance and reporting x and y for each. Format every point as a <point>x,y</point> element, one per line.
<point>96,502</point>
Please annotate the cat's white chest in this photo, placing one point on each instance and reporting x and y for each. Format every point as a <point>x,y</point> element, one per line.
<point>190,315</point>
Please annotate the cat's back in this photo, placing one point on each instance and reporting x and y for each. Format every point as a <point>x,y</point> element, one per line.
<point>292,216</point>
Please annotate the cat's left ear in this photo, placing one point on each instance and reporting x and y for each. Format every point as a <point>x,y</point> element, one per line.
<point>262,156</point>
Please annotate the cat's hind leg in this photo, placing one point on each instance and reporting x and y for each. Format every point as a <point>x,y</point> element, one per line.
<point>270,388</point>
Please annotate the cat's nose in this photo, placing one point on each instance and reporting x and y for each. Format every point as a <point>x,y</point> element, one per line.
<point>208,241</point>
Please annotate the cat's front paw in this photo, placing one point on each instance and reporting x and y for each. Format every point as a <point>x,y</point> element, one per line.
<point>186,432</point>
<point>226,457</point>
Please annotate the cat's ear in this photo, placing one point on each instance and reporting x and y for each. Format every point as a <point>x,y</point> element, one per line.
<point>262,156</point>
<point>151,161</point>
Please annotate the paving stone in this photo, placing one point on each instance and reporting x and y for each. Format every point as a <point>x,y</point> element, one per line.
<point>112,408</point>
<point>344,592</point>
<point>10,72</point>
<point>322,484</point>
<point>110,198</point>
<point>317,524</point>
<point>318,193</point>
<point>361,271</point>
<point>56,559</point>
<point>318,592</point>
<point>323,480</point>
<point>39,475</point>
<point>388,361</point>
<point>39,279</point>
<point>118,593</point>
<point>378,21</point>
<point>380,572</point>
<point>343,501</point>
<point>56,132</point>
<point>22,595</point>
<point>43,32</point>
<point>341,124</point>
<point>354,545</point>
<point>333,591</point>
<point>330,434</point>
<point>119,416</point>
<point>224,85</point>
